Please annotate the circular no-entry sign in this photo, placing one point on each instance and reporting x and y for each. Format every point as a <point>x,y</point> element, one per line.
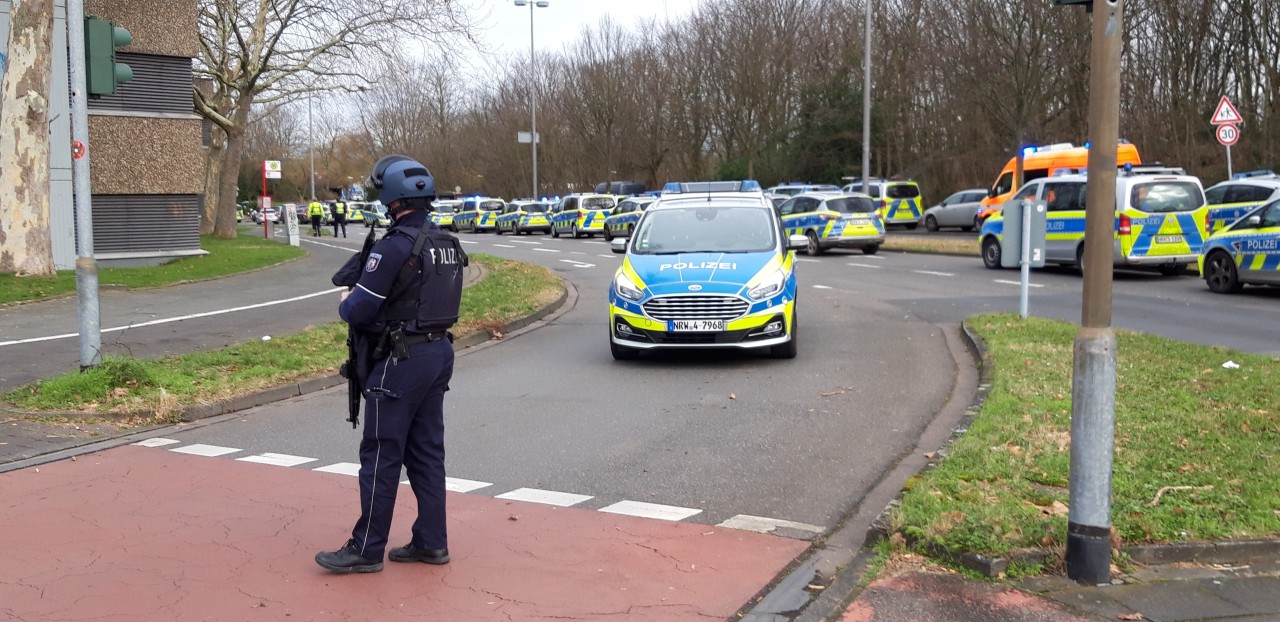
<point>1228,134</point>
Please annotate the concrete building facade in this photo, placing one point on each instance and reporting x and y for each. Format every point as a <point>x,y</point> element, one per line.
<point>146,144</point>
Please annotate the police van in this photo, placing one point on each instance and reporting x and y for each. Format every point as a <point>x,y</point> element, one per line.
<point>523,217</point>
<point>1159,223</point>
<point>1245,252</point>
<point>478,214</point>
<point>898,202</point>
<point>834,220</point>
<point>443,211</point>
<point>581,214</point>
<point>1229,200</point>
<point>705,269</point>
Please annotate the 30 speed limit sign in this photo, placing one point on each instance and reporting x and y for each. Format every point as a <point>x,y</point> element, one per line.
<point>1228,134</point>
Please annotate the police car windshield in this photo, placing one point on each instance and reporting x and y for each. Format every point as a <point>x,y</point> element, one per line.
<point>1162,197</point>
<point>492,206</point>
<point>598,203</point>
<point>536,207</point>
<point>902,191</point>
<point>705,229</point>
<point>851,205</point>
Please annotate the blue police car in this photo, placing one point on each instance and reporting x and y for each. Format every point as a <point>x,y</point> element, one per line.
<point>1246,252</point>
<point>705,269</point>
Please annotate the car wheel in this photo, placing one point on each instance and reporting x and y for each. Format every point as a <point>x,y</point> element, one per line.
<point>991,253</point>
<point>870,249</point>
<point>574,231</point>
<point>621,353</point>
<point>1172,269</point>
<point>791,348</point>
<point>608,234</point>
<point>1220,273</point>
<point>813,248</point>
<point>555,231</point>
<point>930,223</point>
<point>1080,257</point>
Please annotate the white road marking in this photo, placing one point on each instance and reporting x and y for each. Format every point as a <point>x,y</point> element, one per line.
<point>865,265</point>
<point>205,450</point>
<point>650,510</point>
<point>341,468</point>
<point>761,524</point>
<point>177,319</point>
<point>157,442</point>
<point>577,264</point>
<point>547,250</point>
<point>284,460</point>
<point>499,246</point>
<point>455,484</point>
<point>808,260</point>
<point>546,497</point>
<point>821,287</point>
<point>610,256</point>
<point>576,253</point>
<point>341,248</point>
<point>1018,283</point>
<point>875,257</point>
<point>526,242</point>
<point>468,241</point>
<point>933,273</point>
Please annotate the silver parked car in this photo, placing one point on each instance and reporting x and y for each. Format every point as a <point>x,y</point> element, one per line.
<point>958,210</point>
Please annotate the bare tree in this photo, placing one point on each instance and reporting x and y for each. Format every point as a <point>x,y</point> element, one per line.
<point>267,52</point>
<point>26,243</point>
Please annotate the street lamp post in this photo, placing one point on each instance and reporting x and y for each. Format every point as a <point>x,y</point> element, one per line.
<point>311,153</point>
<point>866,103</point>
<point>533,89</point>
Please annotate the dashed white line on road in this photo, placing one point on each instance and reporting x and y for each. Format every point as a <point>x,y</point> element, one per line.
<point>527,242</point>
<point>608,256</point>
<point>875,257</point>
<point>341,248</point>
<point>821,287</point>
<point>157,442</point>
<point>576,253</point>
<point>577,264</point>
<point>176,319</point>
<point>761,524</point>
<point>546,497</point>
<point>865,265</point>
<point>468,241</point>
<point>209,451</point>
<point>1018,283</point>
<point>504,246</point>
<point>548,250</point>
<point>808,260</point>
<point>284,460</point>
<point>454,484</point>
<point>933,273</point>
<point>650,510</point>
<point>341,468</point>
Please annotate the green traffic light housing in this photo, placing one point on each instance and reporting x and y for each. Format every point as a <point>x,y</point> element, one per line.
<point>102,73</point>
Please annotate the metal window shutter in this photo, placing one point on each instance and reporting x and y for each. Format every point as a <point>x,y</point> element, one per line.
<point>159,84</point>
<point>125,223</point>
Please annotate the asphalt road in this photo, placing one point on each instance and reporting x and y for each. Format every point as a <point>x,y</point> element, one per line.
<point>725,434</point>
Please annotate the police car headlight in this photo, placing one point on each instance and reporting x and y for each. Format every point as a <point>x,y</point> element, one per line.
<point>626,288</point>
<point>768,287</point>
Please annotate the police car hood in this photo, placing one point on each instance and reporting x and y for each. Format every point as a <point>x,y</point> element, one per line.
<point>711,273</point>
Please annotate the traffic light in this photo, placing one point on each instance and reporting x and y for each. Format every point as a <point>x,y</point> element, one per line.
<point>102,72</point>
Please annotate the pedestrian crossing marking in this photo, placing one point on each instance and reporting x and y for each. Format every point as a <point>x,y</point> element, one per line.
<point>341,468</point>
<point>284,460</point>
<point>157,442</point>
<point>651,510</point>
<point>209,451</point>
<point>545,497</point>
<point>761,524</point>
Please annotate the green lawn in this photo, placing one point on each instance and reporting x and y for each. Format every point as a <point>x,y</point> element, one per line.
<point>1182,420</point>
<point>160,387</point>
<point>226,257</point>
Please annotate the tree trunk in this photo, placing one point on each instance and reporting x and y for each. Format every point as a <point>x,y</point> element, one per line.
<point>26,244</point>
<point>228,177</point>
<point>212,181</point>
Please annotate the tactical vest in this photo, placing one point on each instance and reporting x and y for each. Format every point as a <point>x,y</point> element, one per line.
<point>340,208</point>
<point>427,292</point>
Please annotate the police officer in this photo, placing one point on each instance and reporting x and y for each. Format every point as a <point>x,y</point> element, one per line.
<point>339,217</point>
<point>404,302</point>
<point>315,211</point>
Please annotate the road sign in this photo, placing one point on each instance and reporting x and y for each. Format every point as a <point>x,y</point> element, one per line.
<point>271,169</point>
<point>1228,134</point>
<point>527,137</point>
<point>1225,114</point>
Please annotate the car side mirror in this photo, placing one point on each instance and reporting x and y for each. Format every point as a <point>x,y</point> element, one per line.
<point>991,193</point>
<point>618,245</point>
<point>797,242</point>
<point>1254,221</point>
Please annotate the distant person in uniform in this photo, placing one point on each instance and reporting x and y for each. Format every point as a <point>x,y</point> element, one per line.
<point>315,211</point>
<point>403,301</point>
<point>339,217</point>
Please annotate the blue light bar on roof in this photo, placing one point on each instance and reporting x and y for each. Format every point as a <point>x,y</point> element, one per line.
<point>685,187</point>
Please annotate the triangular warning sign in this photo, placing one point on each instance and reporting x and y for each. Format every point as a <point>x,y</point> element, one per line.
<point>1225,113</point>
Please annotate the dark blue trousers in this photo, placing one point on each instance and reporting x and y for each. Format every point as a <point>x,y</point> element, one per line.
<point>404,425</point>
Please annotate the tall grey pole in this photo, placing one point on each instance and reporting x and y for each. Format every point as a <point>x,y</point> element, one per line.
<point>86,265</point>
<point>311,151</point>
<point>866,105</point>
<point>533,114</point>
<point>1093,385</point>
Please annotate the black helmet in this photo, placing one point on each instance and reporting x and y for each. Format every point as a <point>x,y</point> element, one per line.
<point>400,177</point>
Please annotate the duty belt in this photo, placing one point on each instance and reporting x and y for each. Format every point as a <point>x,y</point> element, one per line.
<point>411,339</point>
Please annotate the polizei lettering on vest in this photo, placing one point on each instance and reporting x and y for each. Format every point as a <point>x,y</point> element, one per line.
<point>696,265</point>
<point>444,256</point>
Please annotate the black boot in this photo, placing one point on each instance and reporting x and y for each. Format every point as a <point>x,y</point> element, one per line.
<point>347,559</point>
<point>411,553</point>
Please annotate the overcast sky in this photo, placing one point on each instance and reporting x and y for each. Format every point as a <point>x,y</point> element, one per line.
<point>504,27</point>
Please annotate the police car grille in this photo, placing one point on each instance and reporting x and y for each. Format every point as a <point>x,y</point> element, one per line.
<point>696,307</point>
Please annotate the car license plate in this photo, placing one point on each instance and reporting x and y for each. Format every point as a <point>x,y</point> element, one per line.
<point>680,326</point>
<point>858,222</point>
<point>1168,239</point>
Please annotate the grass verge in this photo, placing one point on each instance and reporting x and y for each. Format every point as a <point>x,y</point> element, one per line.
<point>225,257</point>
<point>160,388</point>
<point>931,244</point>
<point>1205,435</point>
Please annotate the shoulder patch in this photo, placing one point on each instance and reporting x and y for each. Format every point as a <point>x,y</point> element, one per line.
<point>372,264</point>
